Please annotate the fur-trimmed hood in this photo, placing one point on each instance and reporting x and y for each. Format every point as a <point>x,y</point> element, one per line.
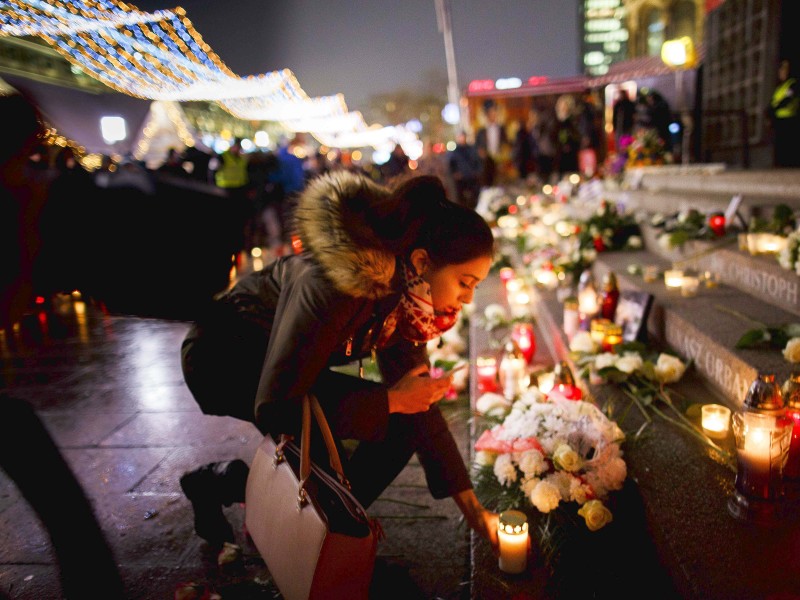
<point>355,269</point>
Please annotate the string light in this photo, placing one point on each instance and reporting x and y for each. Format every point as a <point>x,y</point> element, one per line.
<point>161,56</point>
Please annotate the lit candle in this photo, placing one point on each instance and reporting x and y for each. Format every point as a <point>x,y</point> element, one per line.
<point>771,243</point>
<point>673,279</point>
<point>513,370</point>
<point>650,273</point>
<point>755,455</point>
<point>715,420</point>
<point>519,302</point>
<point>486,371</point>
<point>512,533</point>
<point>572,320</point>
<point>523,335</point>
<point>598,330</point>
<point>569,391</point>
<point>792,468</point>
<point>514,285</point>
<point>612,337</point>
<point>689,286</point>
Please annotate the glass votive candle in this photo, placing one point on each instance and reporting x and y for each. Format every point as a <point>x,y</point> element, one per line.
<point>711,279</point>
<point>673,279</point>
<point>689,286</point>
<point>597,330</point>
<point>612,338</point>
<point>486,373</point>
<point>715,420</point>
<point>742,241</point>
<point>512,534</point>
<point>650,273</point>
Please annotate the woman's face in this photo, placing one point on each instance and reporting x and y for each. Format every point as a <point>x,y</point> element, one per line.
<point>454,285</point>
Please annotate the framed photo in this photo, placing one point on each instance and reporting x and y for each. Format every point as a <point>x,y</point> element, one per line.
<point>633,309</point>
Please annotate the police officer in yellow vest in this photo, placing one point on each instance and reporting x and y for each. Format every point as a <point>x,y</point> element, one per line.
<point>232,176</point>
<point>785,115</point>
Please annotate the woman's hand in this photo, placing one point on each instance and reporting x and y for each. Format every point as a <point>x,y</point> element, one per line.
<point>483,521</point>
<point>416,392</point>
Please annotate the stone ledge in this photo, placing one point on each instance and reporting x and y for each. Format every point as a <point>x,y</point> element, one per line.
<point>702,328</point>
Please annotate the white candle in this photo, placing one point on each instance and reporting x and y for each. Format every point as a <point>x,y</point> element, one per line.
<point>512,534</point>
<point>689,286</point>
<point>673,279</point>
<point>715,420</point>
<point>755,455</point>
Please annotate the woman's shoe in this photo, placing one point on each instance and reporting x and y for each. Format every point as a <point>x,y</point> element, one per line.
<point>209,488</point>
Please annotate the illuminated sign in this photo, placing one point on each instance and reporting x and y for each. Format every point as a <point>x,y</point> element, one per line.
<point>508,83</point>
<point>605,38</point>
<point>481,85</point>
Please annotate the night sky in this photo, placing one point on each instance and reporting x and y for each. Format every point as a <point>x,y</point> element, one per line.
<point>365,47</point>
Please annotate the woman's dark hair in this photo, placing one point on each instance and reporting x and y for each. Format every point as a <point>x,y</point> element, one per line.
<point>417,214</point>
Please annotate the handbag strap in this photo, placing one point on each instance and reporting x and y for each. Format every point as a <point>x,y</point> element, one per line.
<point>312,405</point>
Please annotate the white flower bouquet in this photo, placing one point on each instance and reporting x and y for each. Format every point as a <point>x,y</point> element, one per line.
<point>546,452</point>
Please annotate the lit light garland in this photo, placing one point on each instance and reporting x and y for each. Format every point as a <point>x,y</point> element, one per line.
<point>161,56</point>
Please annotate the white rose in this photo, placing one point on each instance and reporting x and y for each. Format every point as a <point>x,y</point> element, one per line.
<point>494,313</point>
<point>669,369</point>
<point>635,241</point>
<point>504,469</point>
<point>566,459</point>
<point>582,342</point>
<point>664,241</point>
<point>484,458</point>
<point>589,254</point>
<point>604,360</point>
<point>492,404</point>
<point>545,497</point>
<point>792,350</point>
<point>629,362</point>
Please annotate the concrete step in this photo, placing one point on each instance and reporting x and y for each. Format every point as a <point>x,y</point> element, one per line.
<point>759,276</point>
<point>707,188</point>
<point>706,327</point>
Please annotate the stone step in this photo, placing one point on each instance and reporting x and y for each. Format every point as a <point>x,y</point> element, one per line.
<point>675,188</point>
<point>706,327</point>
<point>759,276</point>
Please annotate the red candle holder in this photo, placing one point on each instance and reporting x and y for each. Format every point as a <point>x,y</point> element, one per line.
<point>525,338</point>
<point>569,391</point>
<point>486,373</point>
<point>716,222</point>
<point>506,274</point>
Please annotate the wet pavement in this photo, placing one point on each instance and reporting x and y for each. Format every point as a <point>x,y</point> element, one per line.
<point>109,390</point>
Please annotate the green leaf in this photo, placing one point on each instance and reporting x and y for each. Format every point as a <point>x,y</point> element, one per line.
<point>752,338</point>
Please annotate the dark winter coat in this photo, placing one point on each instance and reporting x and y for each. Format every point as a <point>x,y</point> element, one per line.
<point>326,307</point>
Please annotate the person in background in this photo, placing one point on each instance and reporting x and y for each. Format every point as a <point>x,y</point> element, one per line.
<point>525,146</point>
<point>232,176</point>
<point>784,113</point>
<point>544,132</point>
<point>623,115</point>
<point>290,179</point>
<point>396,166</point>
<point>464,166</point>
<point>568,138</point>
<point>173,164</point>
<point>383,272</point>
<point>490,140</point>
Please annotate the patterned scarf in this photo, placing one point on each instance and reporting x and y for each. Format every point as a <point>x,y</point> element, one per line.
<point>414,314</point>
